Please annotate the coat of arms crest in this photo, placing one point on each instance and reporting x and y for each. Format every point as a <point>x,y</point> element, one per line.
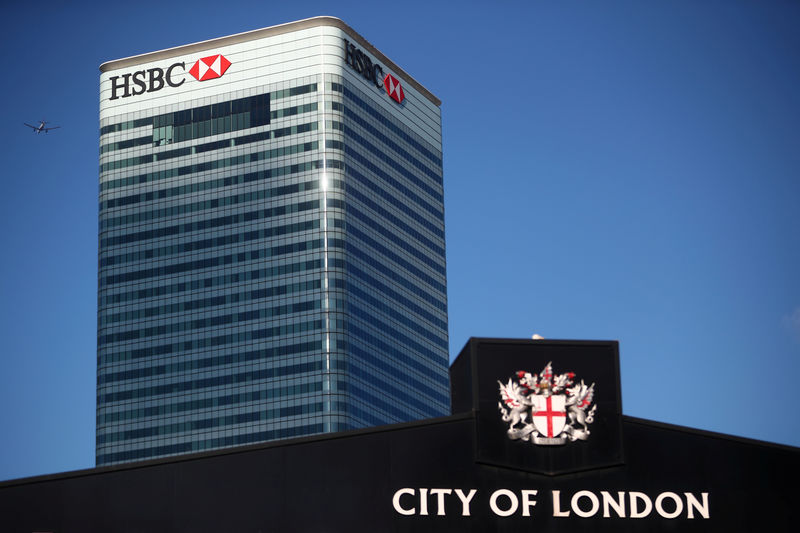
<point>545,408</point>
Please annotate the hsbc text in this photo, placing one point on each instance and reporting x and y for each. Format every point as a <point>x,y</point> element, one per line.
<point>362,64</point>
<point>141,81</point>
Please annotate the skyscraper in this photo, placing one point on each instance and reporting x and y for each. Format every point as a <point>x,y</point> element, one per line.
<point>271,243</point>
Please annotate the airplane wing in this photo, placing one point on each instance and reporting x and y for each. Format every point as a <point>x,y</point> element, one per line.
<point>53,128</point>
<point>34,127</point>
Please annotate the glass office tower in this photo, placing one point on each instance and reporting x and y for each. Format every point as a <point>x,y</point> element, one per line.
<point>271,243</point>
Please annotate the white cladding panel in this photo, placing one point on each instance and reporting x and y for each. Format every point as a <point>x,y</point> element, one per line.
<point>305,52</point>
<point>253,63</point>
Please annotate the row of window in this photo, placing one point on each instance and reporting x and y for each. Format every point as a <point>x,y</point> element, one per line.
<point>385,177</point>
<point>221,163</point>
<point>267,292</point>
<point>213,301</point>
<point>434,174</point>
<point>413,352</point>
<point>396,221</point>
<point>401,317</point>
<point>287,229</point>
<point>222,201</point>
<point>430,254</point>
<point>229,400</point>
<point>394,275</point>
<point>213,422</point>
<point>236,358</point>
<point>216,281</point>
<point>369,368</point>
<point>352,231</point>
<point>169,134</point>
<point>360,274</point>
<point>283,230</point>
<point>351,94</point>
<point>399,395</point>
<point>395,354</point>
<point>390,407</point>
<point>387,197</point>
<point>128,143</point>
<point>223,260</point>
<point>362,418</point>
<point>405,156</point>
<point>210,223</point>
<point>205,244</point>
<point>189,124</point>
<point>229,319</point>
<point>216,203</point>
<point>209,444</point>
<point>188,208</point>
<point>394,164</point>
<point>149,121</point>
<point>216,164</point>
<point>198,130</point>
<point>389,292</point>
<point>235,141</point>
<point>201,186</point>
<point>203,121</point>
<point>212,342</point>
<point>238,379</point>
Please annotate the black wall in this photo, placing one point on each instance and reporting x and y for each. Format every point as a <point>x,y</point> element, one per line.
<point>346,482</point>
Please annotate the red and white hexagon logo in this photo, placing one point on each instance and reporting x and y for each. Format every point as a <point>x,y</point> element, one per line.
<point>393,88</point>
<point>209,68</point>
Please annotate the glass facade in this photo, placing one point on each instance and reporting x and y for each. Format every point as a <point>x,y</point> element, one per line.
<point>271,265</point>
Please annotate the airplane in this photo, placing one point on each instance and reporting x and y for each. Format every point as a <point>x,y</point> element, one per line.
<point>40,128</point>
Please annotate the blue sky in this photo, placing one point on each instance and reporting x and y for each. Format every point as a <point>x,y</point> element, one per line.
<point>613,170</point>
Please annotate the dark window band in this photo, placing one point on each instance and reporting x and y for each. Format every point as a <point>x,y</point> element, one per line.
<point>210,165</point>
<point>431,255</point>
<point>394,295</point>
<point>261,415</point>
<point>252,356</point>
<point>208,444</point>
<point>201,186</point>
<point>411,139</point>
<point>218,222</point>
<point>394,183</point>
<point>395,258</point>
<point>211,342</point>
<point>389,198</point>
<point>180,387</point>
<point>148,121</point>
<point>185,209</point>
<point>205,244</point>
<point>435,174</point>
<point>146,313</point>
<point>108,300</point>
<point>223,260</point>
<point>398,355</point>
<point>392,274</point>
<point>230,319</point>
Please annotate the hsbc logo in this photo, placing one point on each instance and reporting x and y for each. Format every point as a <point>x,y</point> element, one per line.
<point>210,68</point>
<point>394,89</point>
<point>154,79</point>
<point>361,63</point>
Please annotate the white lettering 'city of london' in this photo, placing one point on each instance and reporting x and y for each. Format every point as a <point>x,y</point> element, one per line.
<point>582,504</point>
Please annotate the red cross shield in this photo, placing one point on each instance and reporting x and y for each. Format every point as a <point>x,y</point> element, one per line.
<point>551,414</point>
